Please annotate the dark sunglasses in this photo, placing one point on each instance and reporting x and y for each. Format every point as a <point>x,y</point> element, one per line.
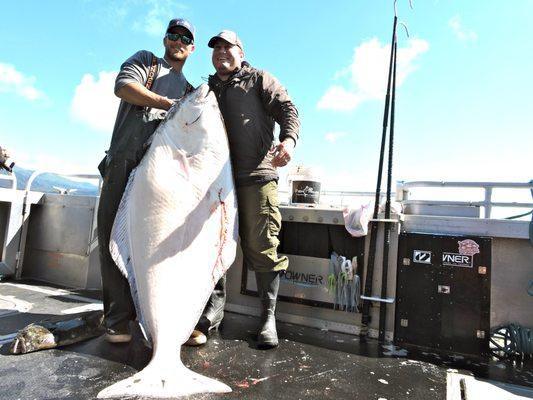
<point>175,36</point>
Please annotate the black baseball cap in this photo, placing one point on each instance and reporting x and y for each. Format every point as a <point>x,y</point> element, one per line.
<point>229,36</point>
<point>183,23</point>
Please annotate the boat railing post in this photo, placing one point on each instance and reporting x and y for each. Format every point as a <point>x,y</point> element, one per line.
<point>401,192</point>
<point>487,203</point>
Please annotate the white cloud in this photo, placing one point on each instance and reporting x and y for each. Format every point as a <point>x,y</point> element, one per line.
<point>332,137</point>
<point>367,74</point>
<point>94,102</point>
<point>147,16</point>
<point>459,31</point>
<point>157,16</point>
<point>117,11</point>
<point>13,81</point>
<point>338,98</point>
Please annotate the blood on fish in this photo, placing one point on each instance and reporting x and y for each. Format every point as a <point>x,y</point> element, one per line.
<point>222,235</point>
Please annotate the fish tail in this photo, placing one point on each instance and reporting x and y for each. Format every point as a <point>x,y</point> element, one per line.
<point>157,382</point>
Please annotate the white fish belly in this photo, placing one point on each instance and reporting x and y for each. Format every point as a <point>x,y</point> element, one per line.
<point>181,233</point>
<point>182,214</point>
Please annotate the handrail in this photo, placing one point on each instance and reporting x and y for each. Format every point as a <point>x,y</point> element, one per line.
<point>38,172</point>
<point>469,203</point>
<point>402,191</point>
<point>508,185</point>
<point>338,193</point>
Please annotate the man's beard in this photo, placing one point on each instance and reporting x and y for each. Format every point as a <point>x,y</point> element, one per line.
<point>172,57</point>
<point>223,70</point>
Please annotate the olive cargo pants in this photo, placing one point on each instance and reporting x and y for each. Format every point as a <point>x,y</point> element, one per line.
<point>259,226</point>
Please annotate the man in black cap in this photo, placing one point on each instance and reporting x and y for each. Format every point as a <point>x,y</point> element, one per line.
<point>251,101</point>
<point>148,86</point>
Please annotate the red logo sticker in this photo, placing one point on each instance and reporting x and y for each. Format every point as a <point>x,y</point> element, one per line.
<point>468,247</point>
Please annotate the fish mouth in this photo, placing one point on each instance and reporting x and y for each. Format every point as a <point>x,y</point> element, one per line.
<point>193,96</point>
<point>201,97</point>
<point>204,94</point>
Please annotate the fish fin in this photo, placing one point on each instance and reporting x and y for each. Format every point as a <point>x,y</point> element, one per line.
<point>157,382</point>
<point>119,243</point>
<point>183,162</point>
<point>120,246</point>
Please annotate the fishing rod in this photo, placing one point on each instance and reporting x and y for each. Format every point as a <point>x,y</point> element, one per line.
<point>387,221</point>
<point>365,319</point>
<point>367,297</point>
<point>387,226</point>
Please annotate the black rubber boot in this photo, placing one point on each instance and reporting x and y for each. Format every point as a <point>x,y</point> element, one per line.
<point>267,289</point>
<point>214,309</point>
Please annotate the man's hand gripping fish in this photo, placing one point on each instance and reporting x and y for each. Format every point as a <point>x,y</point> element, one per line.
<point>174,236</point>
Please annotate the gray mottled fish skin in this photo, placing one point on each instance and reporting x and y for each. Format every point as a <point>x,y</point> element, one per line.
<point>55,332</point>
<point>174,236</point>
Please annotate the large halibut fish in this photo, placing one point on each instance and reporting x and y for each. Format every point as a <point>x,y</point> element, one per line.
<point>174,236</point>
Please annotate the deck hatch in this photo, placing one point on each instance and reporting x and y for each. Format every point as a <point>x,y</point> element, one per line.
<point>446,301</point>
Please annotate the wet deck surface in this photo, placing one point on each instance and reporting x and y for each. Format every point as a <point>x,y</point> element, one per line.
<point>308,364</point>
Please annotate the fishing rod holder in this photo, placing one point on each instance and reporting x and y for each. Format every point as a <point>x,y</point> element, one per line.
<point>388,300</point>
<point>389,220</point>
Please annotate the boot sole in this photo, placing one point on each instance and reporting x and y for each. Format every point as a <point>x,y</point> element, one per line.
<point>121,338</point>
<point>197,339</point>
<point>267,345</point>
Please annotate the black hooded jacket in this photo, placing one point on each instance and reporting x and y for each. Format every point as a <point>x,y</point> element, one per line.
<point>251,101</point>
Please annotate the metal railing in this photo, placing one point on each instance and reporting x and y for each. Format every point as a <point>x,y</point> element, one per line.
<point>337,198</point>
<point>402,194</point>
<point>36,173</point>
<point>402,190</point>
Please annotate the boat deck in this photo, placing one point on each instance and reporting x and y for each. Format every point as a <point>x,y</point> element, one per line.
<point>308,364</point>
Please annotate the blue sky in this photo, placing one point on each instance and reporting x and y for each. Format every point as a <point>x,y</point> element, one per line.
<point>463,101</point>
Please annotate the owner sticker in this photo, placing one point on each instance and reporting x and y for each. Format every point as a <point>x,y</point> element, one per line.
<point>457,260</point>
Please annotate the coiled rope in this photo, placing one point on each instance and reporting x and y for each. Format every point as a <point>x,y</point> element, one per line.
<point>511,340</point>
